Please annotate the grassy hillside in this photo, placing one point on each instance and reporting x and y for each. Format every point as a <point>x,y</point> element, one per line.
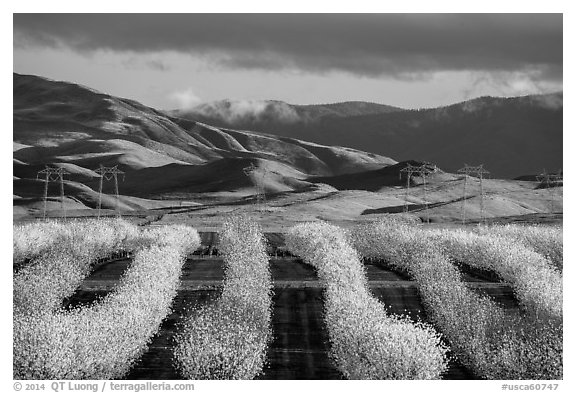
<point>74,127</point>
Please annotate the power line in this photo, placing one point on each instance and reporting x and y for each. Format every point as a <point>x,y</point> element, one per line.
<point>479,172</point>
<point>109,173</point>
<point>53,174</point>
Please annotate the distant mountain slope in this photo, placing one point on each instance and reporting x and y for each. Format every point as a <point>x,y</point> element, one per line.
<point>510,136</point>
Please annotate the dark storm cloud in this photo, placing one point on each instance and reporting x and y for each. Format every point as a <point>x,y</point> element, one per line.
<point>363,44</point>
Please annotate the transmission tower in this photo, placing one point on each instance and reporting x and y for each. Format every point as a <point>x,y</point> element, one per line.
<point>409,170</point>
<point>479,172</point>
<point>548,179</point>
<point>422,171</point>
<point>53,174</point>
<point>109,173</point>
<point>251,171</point>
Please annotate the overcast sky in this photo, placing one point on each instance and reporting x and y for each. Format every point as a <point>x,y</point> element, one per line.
<point>412,61</point>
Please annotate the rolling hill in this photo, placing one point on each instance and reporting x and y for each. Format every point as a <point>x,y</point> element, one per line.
<point>510,136</point>
<point>198,171</point>
<point>77,128</point>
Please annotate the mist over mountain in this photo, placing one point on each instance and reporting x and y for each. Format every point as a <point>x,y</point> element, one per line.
<point>255,114</point>
<point>510,136</point>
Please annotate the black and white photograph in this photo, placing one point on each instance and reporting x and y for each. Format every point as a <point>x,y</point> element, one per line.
<point>286,196</point>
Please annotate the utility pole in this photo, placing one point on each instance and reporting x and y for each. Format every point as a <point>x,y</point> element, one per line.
<point>53,174</point>
<point>478,171</point>
<point>109,173</point>
<point>251,171</point>
<point>549,179</point>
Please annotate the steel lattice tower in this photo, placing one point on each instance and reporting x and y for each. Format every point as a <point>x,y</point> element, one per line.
<point>251,171</point>
<point>109,173</point>
<point>409,170</point>
<point>53,174</point>
<point>422,171</point>
<point>479,171</point>
<point>548,179</point>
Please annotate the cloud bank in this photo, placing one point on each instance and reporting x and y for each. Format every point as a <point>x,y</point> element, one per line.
<point>394,45</point>
<point>185,99</point>
<point>233,111</point>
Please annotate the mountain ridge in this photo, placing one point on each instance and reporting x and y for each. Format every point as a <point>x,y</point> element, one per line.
<point>258,110</point>
<point>511,136</point>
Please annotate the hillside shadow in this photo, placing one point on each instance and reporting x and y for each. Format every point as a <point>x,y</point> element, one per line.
<point>373,180</point>
<point>411,207</point>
